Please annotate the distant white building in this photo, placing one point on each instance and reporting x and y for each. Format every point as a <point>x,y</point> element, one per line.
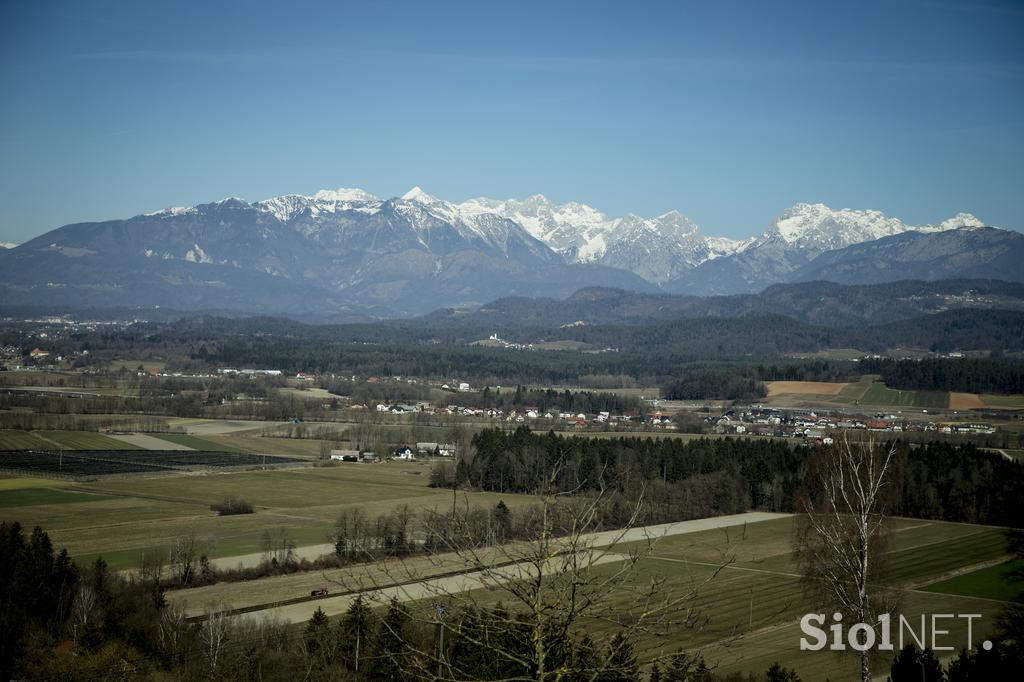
<point>405,453</point>
<point>463,387</point>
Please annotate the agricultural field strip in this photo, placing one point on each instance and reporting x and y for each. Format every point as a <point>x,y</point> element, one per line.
<point>95,463</point>
<point>724,566</point>
<point>789,625</point>
<point>37,434</point>
<point>983,531</point>
<point>314,551</point>
<point>74,390</point>
<point>912,587</point>
<point>370,481</point>
<point>601,539</point>
<point>141,496</point>
<point>82,440</point>
<point>406,592</point>
<point>636,534</point>
<point>145,441</point>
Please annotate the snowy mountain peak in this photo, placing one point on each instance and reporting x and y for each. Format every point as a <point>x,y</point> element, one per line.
<point>345,194</point>
<point>960,220</point>
<point>819,228</point>
<point>417,194</point>
<point>661,249</point>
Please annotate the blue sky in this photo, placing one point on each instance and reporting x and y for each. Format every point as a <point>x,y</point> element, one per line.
<point>726,111</point>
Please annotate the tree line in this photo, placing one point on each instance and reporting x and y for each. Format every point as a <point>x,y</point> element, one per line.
<point>682,479</point>
<point>733,383</point>
<point>966,375</point>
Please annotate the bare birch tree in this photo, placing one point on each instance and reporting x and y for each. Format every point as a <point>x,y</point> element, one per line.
<point>214,636</point>
<point>841,535</point>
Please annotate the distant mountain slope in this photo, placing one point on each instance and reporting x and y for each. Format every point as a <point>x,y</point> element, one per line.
<point>976,252</point>
<point>341,251</point>
<point>346,254</point>
<point>820,303</point>
<point>797,238</point>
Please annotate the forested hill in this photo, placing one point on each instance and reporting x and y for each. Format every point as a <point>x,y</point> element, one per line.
<point>820,303</point>
<point>824,303</point>
<point>708,337</point>
<point>441,348</point>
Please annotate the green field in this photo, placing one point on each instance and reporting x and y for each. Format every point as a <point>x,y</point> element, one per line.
<point>26,497</point>
<point>989,583</point>
<point>879,394</point>
<point>870,391</point>
<point>197,443</point>
<point>293,447</point>
<point>130,516</point>
<point>22,440</point>
<point>753,605</point>
<point>746,617</point>
<point>54,440</point>
<point>19,482</point>
<point>854,392</point>
<point>82,440</point>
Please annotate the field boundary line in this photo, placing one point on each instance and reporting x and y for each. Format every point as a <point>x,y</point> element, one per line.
<point>937,542</point>
<point>726,566</point>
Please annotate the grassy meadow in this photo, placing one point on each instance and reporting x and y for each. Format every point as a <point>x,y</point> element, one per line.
<point>121,519</point>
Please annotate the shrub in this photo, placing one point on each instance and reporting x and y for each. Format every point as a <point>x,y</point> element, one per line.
<point>232,505</point>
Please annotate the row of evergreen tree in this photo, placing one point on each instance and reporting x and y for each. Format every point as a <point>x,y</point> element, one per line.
<point>966,375</point>
<point>683,479</point>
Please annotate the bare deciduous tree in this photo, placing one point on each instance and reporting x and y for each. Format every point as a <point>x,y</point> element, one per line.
<point>841,535</point>
<point>214,636</point>
<point>526,603</point>
<point>83,610</point>
<point>184,557</point>
<point>278,549</point>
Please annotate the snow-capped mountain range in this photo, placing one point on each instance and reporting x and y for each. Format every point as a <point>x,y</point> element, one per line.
<point>349,250</point>
<point>658,248</point>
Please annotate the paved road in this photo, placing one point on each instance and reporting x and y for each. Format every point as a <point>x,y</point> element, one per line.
<point>472,580</point>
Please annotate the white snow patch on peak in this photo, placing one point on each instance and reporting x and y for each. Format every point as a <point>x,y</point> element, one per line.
<point>344,194</point>
<point>417,194</point>
<point>568,227</point>
<point>7,245</point>
<point>286,207</point>
<point>723,246</point>
<point>173,210</point>
<point>960,220</point>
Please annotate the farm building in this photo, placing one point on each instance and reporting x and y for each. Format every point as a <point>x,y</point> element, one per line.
<point>345,455</point>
